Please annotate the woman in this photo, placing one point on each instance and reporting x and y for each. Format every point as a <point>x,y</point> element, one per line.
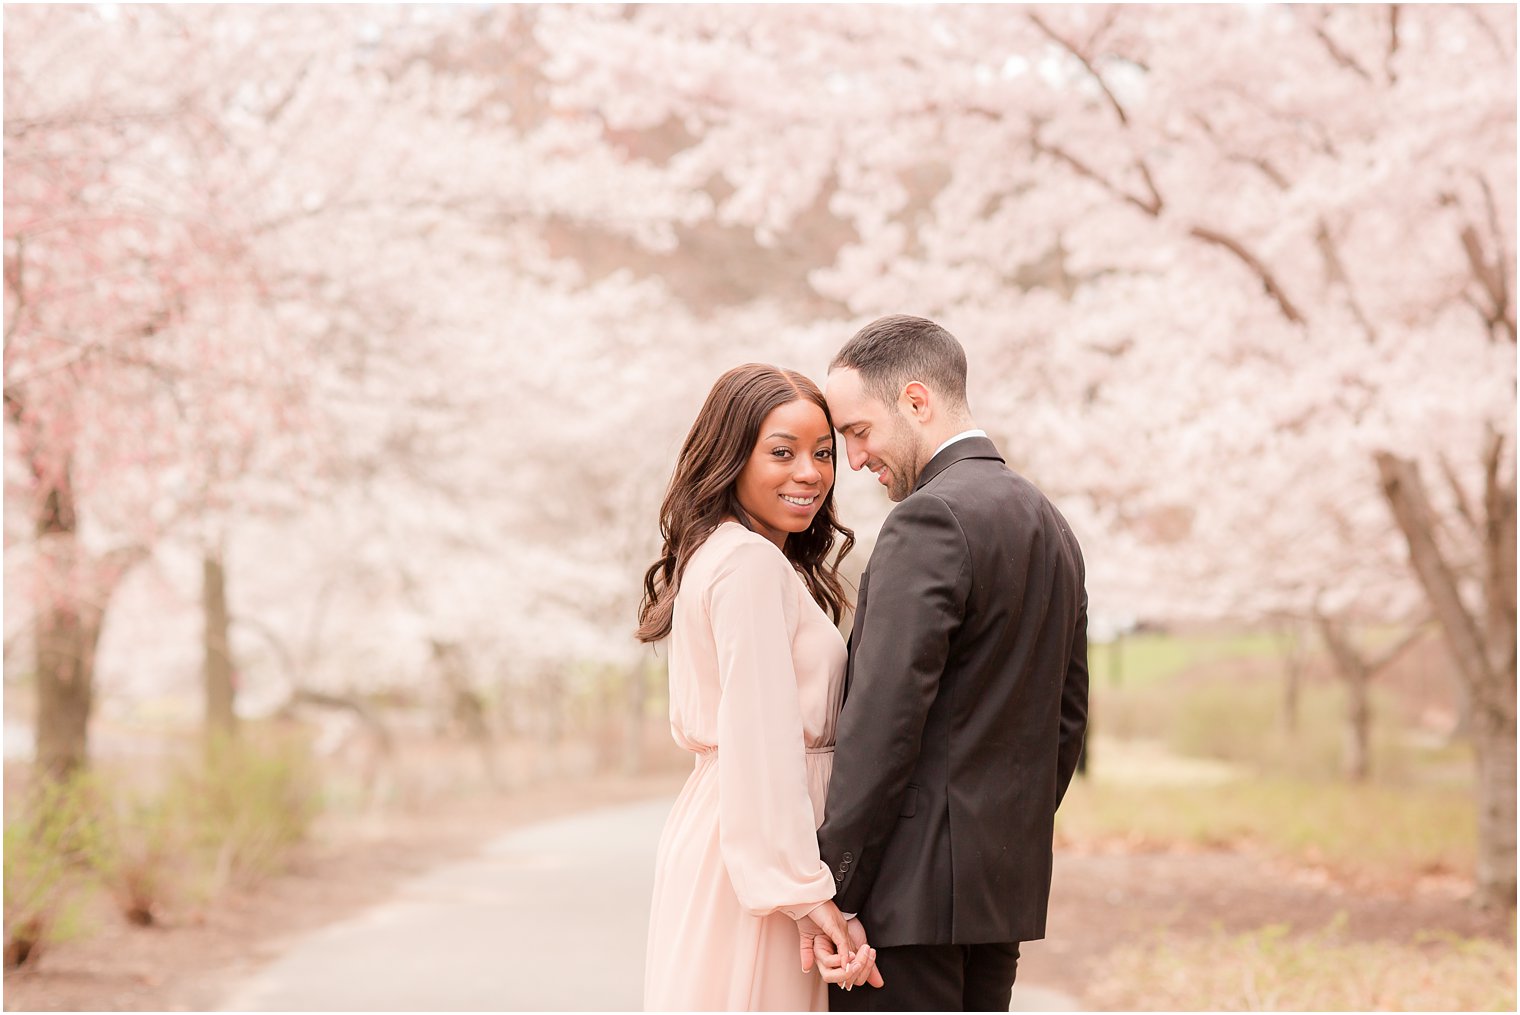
<point>756,678</point>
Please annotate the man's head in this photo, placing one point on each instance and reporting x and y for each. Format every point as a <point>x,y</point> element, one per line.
<point>897,390</point>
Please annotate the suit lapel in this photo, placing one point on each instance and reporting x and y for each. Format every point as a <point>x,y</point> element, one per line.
<point>970,447</point>
<point>860,606</point>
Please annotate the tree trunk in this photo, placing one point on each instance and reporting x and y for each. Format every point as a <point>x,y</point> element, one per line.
<point>549,697</point>
<point>1484,653</point>
<point>466,708</point>
<point>379,764</point>
<point>1356,675</point>
<point>1494,748</point>
<point>606,721</point>
<point>68,630</point>
<point>634,696</point>
<point>1358,728</point>
<point>1293,674</point>
<point>217,669</point>
<point>67,635</point>
<point>1462,728</point>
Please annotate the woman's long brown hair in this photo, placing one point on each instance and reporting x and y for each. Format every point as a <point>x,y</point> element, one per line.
<point>704,490</point>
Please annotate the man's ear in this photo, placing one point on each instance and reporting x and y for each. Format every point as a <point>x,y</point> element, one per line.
<point>915,401</point>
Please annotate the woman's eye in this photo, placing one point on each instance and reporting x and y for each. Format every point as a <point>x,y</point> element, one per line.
<point>826,455</point>
<point>782,452</point>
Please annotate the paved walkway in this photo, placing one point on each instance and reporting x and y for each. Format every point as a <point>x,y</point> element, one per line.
<point>550,917</point>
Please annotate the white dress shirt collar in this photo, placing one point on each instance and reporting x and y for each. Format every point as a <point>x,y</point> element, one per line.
<point>959,437</point>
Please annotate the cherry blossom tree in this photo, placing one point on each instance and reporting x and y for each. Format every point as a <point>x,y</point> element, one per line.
<point>232,240</point>
<point>1215,258</point>
<point>348,237</point>
<point>424,293</point>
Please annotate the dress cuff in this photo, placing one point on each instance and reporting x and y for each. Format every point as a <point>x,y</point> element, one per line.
<point>798,912</point>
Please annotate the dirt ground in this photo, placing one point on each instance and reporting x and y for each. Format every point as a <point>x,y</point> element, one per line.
<point>1101,900</point>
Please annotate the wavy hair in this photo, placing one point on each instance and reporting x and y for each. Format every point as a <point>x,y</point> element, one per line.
<point>704,490</point>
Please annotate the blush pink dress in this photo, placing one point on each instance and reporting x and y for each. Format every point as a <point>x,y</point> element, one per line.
<point>756,679</point>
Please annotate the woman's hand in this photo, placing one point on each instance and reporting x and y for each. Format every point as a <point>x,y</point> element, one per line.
<point>834,969</point>
<point>824,922</point>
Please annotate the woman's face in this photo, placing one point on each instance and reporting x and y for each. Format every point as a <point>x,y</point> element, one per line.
<point>789,472</point>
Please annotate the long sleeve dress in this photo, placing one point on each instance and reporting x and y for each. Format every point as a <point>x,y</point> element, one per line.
<point>756,679</point>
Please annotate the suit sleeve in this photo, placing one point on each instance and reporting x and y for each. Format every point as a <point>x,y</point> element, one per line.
<point>766,829</point>
<point>919,583</point>
<point>1073,705</point>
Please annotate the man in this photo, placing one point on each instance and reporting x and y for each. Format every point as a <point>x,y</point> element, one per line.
<point>966,692</point>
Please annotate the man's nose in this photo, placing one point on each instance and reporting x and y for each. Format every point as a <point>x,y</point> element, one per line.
<point>856,455</point>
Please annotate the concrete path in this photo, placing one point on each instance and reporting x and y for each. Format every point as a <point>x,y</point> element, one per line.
<point>549,918</point>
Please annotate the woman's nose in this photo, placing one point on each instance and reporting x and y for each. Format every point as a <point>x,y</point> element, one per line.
<point>806,470</point>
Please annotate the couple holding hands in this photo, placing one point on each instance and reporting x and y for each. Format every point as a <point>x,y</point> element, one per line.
<point>889,805</point>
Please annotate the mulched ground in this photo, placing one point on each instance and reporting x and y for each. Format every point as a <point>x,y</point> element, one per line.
<point>1104,900</point>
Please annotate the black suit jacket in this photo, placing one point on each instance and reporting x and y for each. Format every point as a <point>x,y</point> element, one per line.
<point>965,707</point>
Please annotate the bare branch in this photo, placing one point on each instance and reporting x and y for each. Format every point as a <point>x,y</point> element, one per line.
<point>1489,278</point>
<point>1336,270</point>
<point>1405,493</point>
<point>1268,280</point>
<point>62,361</point>
<point>1267,169</point>
<point>1154,206</point>
<point>1347,659</point>
<point>1082,169</point>
<point>15,277</point>
<point>1113,101</point>
<point>278,107</point>
<point>14,410</point>
<point>1464,506</point>
<point>1504,301</point>
<point>1340,56</point>
<point>1475,11</point>
<point>1411,638</point>
<point>1499,542</point>
<point>1081,58</point>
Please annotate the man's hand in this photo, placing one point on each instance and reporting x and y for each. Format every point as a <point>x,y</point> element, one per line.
<point>833,969</point>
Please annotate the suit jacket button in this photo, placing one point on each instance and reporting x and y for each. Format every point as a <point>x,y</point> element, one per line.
<point>839,877</point>
<point>848,856</point>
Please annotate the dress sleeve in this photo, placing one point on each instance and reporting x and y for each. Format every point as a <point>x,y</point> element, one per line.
<point>766,832</point>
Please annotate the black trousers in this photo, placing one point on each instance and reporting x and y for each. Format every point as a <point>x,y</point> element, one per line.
<point>937,978</point>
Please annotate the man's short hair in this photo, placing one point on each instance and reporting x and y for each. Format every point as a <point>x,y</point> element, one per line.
<point>892,351</point>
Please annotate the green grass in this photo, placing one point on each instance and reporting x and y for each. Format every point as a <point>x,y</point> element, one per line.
<point>1148,659</point>
<point>1241,720</point>
<point>50,836</point>
<point>1273,970</point>
<point>1265,785</point>
<point>1375,834</point>
<point>249,802</point>
<point>230,816</point>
